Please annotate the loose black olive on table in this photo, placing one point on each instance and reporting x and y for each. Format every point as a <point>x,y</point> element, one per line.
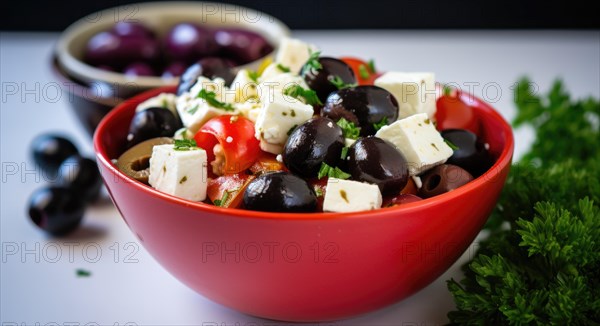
<point>56,210</point>
<point>152,123</point>
<point>377,161</point>
<point>280,192</point>
<point>316,141</point>
<point>49,151</point>
<point>135,162</point>
<point>443,178</point>
<point>319,80</point>
<point>81,175</point>
<point>209,68</point>
<point>370,104</point>
<point>471,153</point>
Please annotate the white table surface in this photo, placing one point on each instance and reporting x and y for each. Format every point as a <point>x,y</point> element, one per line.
<point>37,286</point>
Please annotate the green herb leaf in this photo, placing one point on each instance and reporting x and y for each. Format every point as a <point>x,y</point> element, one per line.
<point>339,83</point>
<point>223,200</point>
<point>332,172</point>
<point>380,124</point>
<point>363,72</point>
<point>349,129</point>
<point>82,273</point>
<point>185,144</point>
<point>344,153</point>
<point>450,144</point>
<point>313,60</point>
<point>193,109</point>
<point>283,68</point>
<point>297,92</point>
<point>253,75</point>
<point>371,64</point>
<point>211,99</point>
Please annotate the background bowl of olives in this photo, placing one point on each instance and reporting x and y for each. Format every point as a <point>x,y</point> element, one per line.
<point>304,266</point>
<point>119,52</point>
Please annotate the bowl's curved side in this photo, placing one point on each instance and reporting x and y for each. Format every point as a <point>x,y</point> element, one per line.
<point>160,16</point>
<point>312,269</point>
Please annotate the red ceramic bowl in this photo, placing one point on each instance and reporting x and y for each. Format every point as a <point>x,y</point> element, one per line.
<point>304,267</point>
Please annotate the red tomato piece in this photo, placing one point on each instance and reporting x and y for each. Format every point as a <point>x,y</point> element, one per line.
<point>361,69</point>
<point>266,162</point>
<point>235,134</point>
<point>319,186</point>
<point>453,113</point>
<point>232,184</point>
<point>400,199</point>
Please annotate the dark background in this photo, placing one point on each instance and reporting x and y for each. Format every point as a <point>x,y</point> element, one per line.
<point>339,14</point>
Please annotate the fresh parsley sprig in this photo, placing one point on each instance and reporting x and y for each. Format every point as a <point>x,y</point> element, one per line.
<point>211,99</point>
<point>383,122</point>
<point>313,62</point>
<point>185,144</point>
<point>296,91</point>
<point>339,83</point>
<point>349,129</point>
<point>283,68</point>
<point>332,172</point>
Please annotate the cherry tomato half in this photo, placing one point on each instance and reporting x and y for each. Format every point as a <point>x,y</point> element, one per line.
<point>235,134</point>
<point>361,69</point>
<point>453,113</point>
<point>228,190</point>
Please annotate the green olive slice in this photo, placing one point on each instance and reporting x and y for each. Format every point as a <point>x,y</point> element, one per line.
<point>135,162</point>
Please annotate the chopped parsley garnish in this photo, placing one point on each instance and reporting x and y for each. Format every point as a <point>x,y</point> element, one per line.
<point>450,144</point>
<point>283,68</point>
<point>193,109</point>
<point>363,72</point>
<point>371,64</point>
<point>289,132</point>
<point>253,75</point>
<point>380,124</point>
<point>83,273</point>
<point>185,144</point>
<point>223,200</point>
<point>211,98</point>
<point>313,60</point>
<point>332,172</point>
<point>344,153</point>
<point>339,83</point>
<point>308,95</point>
<point>349,129</point>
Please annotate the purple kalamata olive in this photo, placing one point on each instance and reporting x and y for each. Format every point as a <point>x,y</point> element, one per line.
<point>209,68</point>
<point>377,161</point>
<point>320,80</point>
<point>130,29</point>
<point>108,49</point>
<point>316,141</point>
<point>138,69</point>
<point>174,70</point>
<point>370,104</point>
<point>242,46</point>
<point>443,178</point>
<point>189,42</point>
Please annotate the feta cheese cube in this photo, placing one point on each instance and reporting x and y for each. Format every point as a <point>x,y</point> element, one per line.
<point>195,111</point>
<point>350,196</point>
<point>418,140</point>
<point>415,92</point>
<point>293,53</point>
<point>250,109</point>
<point>271,71</point>
<point>268,88</point>
<point>179,173</point>
<point>276,118</point>
<point>162,100</point>
<point>244,87</point>
<point>349,142</point>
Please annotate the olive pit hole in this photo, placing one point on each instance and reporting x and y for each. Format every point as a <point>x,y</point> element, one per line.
<point>433,182</point>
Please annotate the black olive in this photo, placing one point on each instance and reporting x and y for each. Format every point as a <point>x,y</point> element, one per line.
<point>471,153</point>
<point>319,80</point>
<point>316,141</point>
<point>209,68</point>
<point>443,178</point>
<point>49,151</point>
<point>152,123</point>
<point>370,104</point>
<point>81,175</point>
<point>56,210</point>
<point>377,161</point>
<point>280,192</point>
